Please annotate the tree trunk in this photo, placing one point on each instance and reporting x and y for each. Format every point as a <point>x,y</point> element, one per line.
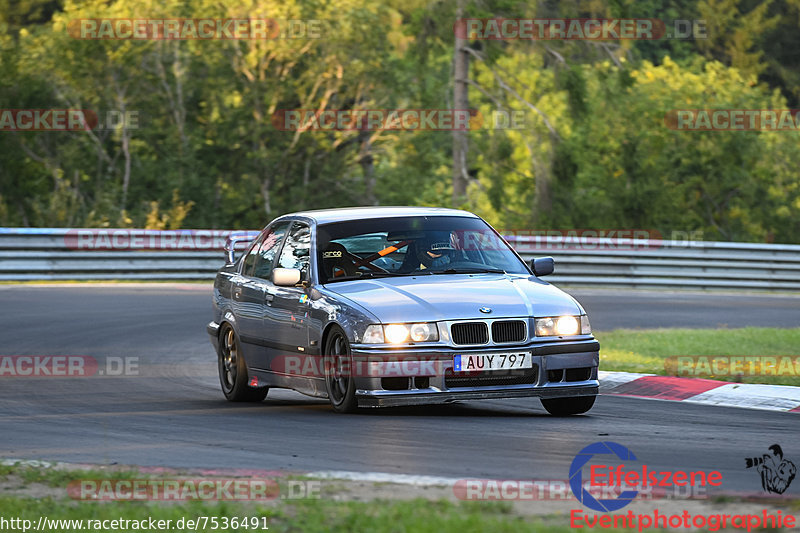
<point>367,163</point>
<point>265,196</point>
<point>460,102</point>
<point>126,176</point>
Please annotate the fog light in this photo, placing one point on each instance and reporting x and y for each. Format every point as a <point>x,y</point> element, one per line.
<point>544,327</point>
<point>424,332</point>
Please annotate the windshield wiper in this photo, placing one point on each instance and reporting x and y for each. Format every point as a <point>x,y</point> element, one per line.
<point>367,275</point>
<point>470,271</point>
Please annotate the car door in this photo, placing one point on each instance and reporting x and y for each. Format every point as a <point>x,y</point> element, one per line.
<point>287,325</point>
<point>255,292</point>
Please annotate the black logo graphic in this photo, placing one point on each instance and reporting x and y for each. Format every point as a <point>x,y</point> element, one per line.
<point>776,472</point>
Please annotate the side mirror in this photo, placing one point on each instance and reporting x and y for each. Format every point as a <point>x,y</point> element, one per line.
<point>286,277</point>
<point>542,266</point>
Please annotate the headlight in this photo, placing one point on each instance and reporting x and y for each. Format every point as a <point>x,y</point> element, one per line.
<point>567,325</point>
<point>562,326</point>
<point>396,333</point>
<point>401,333</point>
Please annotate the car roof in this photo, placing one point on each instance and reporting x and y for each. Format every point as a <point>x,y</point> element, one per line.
<point>324,216</point>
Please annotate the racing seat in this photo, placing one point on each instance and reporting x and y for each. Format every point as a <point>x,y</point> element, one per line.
<point>336,262</point>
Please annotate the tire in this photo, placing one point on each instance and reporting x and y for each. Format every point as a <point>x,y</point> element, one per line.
<point>233,376</point>
<point>568,406</point>
<point>340,385</point>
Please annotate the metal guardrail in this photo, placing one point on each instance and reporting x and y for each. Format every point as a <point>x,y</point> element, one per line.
<point>69,254</point>
<point>670,264</point>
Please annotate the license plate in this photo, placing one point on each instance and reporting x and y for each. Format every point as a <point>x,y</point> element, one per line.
<point>475,362</point>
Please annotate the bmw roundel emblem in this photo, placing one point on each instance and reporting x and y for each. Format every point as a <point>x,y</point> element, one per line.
<point>485,310</point>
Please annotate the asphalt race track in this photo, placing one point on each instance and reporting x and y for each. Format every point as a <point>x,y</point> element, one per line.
<point>173,413</point>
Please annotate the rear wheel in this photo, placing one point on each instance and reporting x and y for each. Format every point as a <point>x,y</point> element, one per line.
<point>338,372</point>
<point>233,370</point>
<point>568,406</point>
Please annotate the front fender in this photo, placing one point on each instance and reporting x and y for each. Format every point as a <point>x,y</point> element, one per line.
<point>339,310</point>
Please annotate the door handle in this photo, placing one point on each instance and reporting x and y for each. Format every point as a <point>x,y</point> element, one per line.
<point>268,297</point>
<point>237,293</point>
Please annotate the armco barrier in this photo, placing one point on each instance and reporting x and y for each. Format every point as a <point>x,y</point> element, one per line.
<point>68,254</point>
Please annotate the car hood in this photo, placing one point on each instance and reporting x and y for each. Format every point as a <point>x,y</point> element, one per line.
<point>456,297</point>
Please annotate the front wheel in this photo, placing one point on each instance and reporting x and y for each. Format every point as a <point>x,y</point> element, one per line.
<point>233,370</point>
<point>568,406</point>
<point>338,372</point>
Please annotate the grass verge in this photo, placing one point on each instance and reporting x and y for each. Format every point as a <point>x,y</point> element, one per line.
<point>302,516</point>
<point>326,514</point>
<point>34,493</point>
<point>655,351</point>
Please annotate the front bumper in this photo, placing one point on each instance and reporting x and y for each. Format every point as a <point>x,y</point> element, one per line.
<point>559,370</point>
<point>212,328</point>
<point>435,396</point>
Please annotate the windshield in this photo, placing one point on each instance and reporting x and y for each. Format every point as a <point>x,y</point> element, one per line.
<point>405,246</point>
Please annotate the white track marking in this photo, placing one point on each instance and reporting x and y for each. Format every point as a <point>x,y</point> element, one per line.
<point>610,380</point>
<point>385,477</point>
<point>752,396</point>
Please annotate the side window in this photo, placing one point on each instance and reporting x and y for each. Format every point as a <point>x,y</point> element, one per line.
<point>250,258</point>
<point>297,250</point>
<point>259,261</point>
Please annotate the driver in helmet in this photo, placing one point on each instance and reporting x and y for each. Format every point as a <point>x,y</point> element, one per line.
<point>434,251</point>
